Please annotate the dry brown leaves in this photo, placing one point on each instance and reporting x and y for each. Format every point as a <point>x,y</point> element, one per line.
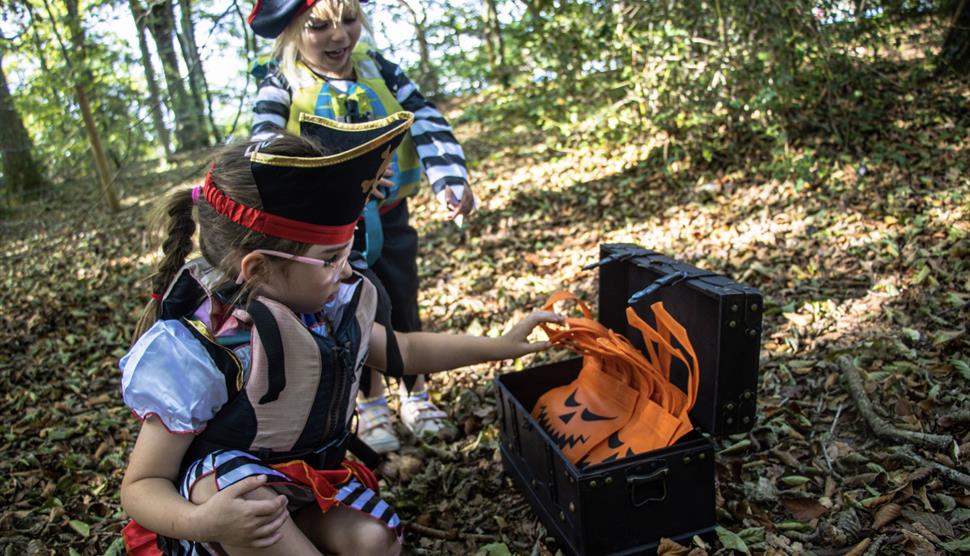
<point>866,257</point>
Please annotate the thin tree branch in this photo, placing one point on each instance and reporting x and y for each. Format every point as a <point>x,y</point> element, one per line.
<point>252,50</point>
<point>958,477</point>
<point>450,535</point>
<point>883,428</point>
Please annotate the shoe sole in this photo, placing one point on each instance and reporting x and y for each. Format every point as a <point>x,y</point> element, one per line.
<point>384,447</point>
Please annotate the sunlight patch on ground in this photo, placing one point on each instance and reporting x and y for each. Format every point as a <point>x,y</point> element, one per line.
<point>560,174</point>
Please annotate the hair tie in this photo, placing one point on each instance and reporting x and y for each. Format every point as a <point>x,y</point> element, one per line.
<point>196,191</point>
<point>156,296</point>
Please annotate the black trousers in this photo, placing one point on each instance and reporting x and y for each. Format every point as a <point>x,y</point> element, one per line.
<point>397,269</point>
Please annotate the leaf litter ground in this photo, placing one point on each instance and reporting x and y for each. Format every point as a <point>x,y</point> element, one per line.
<point>862,254</point>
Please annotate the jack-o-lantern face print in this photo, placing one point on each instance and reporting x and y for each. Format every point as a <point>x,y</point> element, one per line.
<point>584,413</point>
<point>622,403</point>
<point>650,427</point>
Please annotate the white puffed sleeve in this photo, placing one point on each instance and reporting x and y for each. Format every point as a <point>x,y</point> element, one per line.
<point>169,374</point>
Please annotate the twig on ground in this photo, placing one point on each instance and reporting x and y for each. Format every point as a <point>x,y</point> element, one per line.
<point>835,421</point>
<point>826,438</point>
<point>880,426</point>
<point>948,472</point>
<point>828,461</point>
<point>450,535</point>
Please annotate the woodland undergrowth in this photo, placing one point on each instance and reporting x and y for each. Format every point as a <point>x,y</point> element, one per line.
<point>853,224</point>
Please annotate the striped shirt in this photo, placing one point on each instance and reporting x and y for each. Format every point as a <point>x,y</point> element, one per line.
<point>440,153</point>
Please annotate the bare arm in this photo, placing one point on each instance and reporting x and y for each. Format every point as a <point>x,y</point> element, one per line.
<point>148,492</point>
<point>149,496</point>
<point>426,352</point>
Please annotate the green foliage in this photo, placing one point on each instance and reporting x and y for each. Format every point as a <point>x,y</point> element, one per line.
<point>757,73</point>
<point>45,95</point>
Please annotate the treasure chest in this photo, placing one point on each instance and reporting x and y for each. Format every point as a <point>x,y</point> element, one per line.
<point>626,506</point>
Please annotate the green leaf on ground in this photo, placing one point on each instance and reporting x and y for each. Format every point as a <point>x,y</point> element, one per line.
<point>732,540</point>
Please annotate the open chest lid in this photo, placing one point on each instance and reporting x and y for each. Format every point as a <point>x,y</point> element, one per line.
<point>722,318</point>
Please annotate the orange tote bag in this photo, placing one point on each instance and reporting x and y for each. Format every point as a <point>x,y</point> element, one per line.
<point>622,403</point>
<point>585,412</point>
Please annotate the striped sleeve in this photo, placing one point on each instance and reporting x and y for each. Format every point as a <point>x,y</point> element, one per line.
<point>441,155</point>
<point>272,108</point>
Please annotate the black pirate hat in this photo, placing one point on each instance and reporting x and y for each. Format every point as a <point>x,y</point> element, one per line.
<point>316,200</point>
<point>270,17</point>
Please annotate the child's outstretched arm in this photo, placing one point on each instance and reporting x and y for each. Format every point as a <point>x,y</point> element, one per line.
<point>149,497</point>
<point>424,352</point>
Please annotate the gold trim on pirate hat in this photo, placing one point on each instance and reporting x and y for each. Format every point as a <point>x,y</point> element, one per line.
<point>317,199</point>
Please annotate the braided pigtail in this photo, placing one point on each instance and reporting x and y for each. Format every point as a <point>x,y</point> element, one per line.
<point>176,217</point>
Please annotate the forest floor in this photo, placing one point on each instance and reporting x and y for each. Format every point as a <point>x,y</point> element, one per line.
<point>861,254</point>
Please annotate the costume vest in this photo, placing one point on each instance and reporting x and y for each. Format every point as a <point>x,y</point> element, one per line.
<point>298,399</point>
<point>367,98</point>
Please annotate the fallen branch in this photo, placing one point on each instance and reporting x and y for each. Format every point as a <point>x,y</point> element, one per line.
<point>958,418</point>
<point>450,535</point>
<point>880,426</point>
<point>948,472</point>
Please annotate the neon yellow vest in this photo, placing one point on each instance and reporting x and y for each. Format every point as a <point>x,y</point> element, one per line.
<point>368,98</point>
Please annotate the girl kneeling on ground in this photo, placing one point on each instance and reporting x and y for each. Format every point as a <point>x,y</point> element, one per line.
<point>248,360</point>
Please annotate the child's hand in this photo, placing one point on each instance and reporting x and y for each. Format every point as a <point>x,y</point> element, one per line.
<point>385,180</point>
<point>243,516</point>
<point>516,341</point>
<point>459,206</point>
<point>459,201</point>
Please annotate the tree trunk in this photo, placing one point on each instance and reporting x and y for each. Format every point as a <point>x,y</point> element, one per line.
<point>428,81</point>
<point>197,82</point>
<point>161,24</point>
<point>82,76</point>
<point>494,44</point>
<point>20,170</point>
<point>154,95</point>
<point>100,160</point>
<point>535,16</point>
<point>955,53</point>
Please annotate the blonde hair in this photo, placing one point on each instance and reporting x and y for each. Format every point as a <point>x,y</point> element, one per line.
<point>222,242</point>
<point>286,49</point>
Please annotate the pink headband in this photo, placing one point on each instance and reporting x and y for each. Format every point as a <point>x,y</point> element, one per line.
<point>196,191</point>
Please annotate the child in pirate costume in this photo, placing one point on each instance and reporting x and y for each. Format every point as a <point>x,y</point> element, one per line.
<point>320,67</point>
<point>247,365</point>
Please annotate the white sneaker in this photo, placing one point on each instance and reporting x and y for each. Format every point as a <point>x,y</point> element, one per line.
<point>374,425</point>
<point>424,419</point>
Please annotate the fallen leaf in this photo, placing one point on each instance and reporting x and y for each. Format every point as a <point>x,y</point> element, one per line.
<point>859,549</point>
<point>962,545</point>
<point>795,480</point>
<point>731,540</point>
<point>494,549</point>
<point>668,547</point>
<point>918,475</point>
<point>82,528</point>
<point>938,525</point>
<point>946,336</point>
<point>885,514</point>
<point>804,509</point>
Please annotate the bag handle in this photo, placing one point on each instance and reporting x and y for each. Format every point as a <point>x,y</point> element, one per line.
<point>667,324</point>
<point>680,334</point>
